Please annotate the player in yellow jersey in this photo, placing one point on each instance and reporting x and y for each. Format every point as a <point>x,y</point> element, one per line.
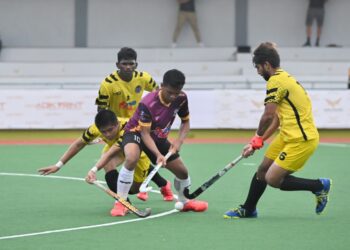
<point>121,93</point>
<point>288,106</point>
<point>110,129</point>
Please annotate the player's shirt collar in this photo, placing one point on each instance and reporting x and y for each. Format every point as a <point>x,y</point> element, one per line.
<point>162,101</point>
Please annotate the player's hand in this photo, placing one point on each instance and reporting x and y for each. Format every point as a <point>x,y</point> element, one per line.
<point>257,142</point>
<point>175,146</point>
<point>91,177</point>
<point>48,170</point>
<point>161,160</point>
<point>248,151</point>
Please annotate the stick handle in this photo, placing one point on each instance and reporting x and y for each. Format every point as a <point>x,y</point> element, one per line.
<point>143,187</point>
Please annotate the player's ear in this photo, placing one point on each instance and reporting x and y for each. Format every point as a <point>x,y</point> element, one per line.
<point>117,64</point>
<point>136,64</point>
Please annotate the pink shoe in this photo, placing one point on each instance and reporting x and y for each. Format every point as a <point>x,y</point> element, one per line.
<point>166,192</point>
<point>195,206</point>
<point>142,196</point>
<point>119,210</point>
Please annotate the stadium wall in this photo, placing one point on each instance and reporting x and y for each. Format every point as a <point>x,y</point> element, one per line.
<point>116,23</point>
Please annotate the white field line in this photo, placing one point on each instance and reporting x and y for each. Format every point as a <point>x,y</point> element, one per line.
<point>82,227</point>
<point>335,145</point>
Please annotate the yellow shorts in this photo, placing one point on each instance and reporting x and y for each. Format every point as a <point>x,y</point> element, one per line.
<point>142,167</point>
<point>290,156</point>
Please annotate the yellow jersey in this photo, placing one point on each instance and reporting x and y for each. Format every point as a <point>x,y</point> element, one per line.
<point>123,97</point>
<point>93,132</point>
<point>294,107</point>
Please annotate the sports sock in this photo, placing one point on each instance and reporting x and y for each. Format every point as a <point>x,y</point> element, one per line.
<point>125,180</point>
<point>157,178</point>
<point>292,183</point>
<point>180,185</point>
<point>256,190</point>
<point>111,178</point>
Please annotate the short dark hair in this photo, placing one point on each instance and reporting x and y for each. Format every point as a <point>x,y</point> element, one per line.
<point>266,52</point>
<point>127,53</point>
<point>104,118</point>
<point>174,78</point>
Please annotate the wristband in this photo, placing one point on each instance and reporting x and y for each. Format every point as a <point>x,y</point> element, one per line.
<point>59,164</point>
<point>94,169</point>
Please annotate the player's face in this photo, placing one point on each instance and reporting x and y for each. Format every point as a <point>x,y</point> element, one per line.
<point>169,94</point>
<point>262,70</point>
<point>126,68</point>
<point>110,131</point>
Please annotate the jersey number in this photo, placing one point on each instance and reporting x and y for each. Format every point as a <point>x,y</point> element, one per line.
<point>283,156</point>
<point>137,138</point>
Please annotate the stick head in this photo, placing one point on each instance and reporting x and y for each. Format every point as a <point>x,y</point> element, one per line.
<point>145,213</point>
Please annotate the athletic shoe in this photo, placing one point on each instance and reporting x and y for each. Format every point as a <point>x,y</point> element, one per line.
<point>142,196</point>
<point>166,192</point>
<point>322,197</point>
<point>195,206</point>
<point>118,210</point>
<point>240,212</point>
<point>307,44</point>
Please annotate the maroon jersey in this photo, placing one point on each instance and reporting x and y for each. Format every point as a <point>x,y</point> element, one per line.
<point>153,112</point>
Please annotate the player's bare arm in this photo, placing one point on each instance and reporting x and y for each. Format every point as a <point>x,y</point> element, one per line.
<point>73,149</point>
<point>267,126</point>
<point>267,118</point>
<point>273,127</point>
<point>183,132</point>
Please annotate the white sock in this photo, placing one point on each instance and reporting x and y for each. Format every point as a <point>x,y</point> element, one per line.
<point>124,183</point>
<point>180,185</point>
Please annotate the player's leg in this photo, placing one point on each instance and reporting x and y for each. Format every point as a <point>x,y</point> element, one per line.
<point>257,184</point>
<point>163,184</point>
<point>293,158</point>
<point>132,152</point>
<point>182,180</point>
<point>256,190</point>
<point>111,173</point>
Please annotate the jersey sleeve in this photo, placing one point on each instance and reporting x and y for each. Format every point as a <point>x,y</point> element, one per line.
<point>90,134</point>
<point>150,83</point>
<point>184,112</point>
<point>275,92</point>
<point>145,118</point>
<point>102,100</point>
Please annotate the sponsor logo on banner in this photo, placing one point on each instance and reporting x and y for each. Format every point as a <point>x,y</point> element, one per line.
<point>334,104</point>
<point>58,106</point>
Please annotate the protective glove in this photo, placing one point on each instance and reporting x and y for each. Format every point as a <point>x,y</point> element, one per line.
<point>257,142</point>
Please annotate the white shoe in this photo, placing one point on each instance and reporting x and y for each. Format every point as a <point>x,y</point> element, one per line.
<point>200,45</point>
<point>173,45</point>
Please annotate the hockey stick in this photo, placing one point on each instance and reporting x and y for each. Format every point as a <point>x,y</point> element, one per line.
<point>125,203</point>
<point>212,180</point>
<point>143,187</point>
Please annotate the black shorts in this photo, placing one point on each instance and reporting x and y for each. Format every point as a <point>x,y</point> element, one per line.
<point>315,13</point>
<point>163,146</point>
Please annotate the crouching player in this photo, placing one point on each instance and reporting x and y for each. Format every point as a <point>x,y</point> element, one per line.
<point>110,129</point>
<point>148,131</point>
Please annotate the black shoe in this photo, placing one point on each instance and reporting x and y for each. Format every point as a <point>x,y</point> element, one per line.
<point>306,44</point>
